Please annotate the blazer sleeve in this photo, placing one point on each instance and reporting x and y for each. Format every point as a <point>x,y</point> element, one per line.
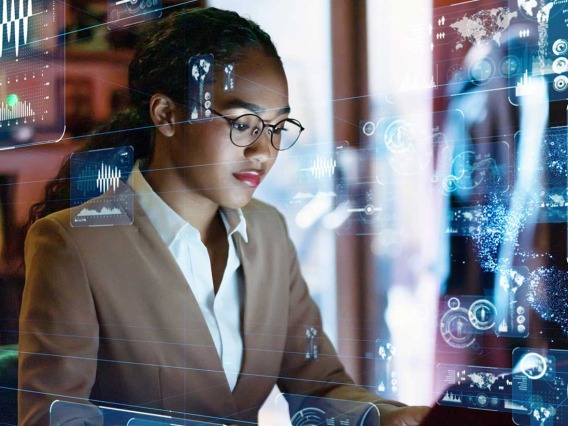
<point>59,331</point>
<point>303,374</point>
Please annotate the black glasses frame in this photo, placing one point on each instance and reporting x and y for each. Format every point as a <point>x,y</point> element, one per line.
<point>232,121</point>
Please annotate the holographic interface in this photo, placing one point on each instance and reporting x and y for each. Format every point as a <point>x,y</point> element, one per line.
<point>32,73</point>
<point>98,187</point>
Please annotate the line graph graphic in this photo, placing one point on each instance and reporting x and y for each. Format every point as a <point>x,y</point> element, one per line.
<point>105,211</point>
<point>12,22</point>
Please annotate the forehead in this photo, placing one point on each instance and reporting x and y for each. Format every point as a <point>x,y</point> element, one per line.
<point>258,79</point>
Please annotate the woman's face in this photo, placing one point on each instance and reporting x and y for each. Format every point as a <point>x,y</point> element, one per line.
<point>204,160</point>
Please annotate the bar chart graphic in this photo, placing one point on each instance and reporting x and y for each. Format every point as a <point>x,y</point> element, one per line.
<point>20,110</point>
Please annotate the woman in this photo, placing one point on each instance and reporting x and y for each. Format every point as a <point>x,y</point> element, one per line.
<point>199,307</point>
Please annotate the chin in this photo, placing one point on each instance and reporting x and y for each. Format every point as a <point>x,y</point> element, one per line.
<point>237,202</point>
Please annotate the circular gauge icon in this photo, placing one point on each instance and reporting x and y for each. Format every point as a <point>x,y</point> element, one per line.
<point>560,83</point>
<point>482,314</point>
<point>467,171</point>
<point>369,128</point>
<point>560,47</point>
<point>510,65</point>
<point>309,417</point>
<point>133,6</point>
<point>449,184</point>
<point>456,329</point>
<point>533,365</point>
<point>482,400</point>
<point>453,303</point>
<point>399,136</point>
<point>482,71</point>
<point>560,65</point>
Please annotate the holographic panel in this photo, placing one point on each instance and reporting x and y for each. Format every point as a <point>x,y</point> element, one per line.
<point>200,84</point>
<point>405,146</point>
<point>540,379</point>
<point>455,326</point>
<point>547,294</point>
<point>32,71</point>
<point>468,386</point>
<point>97,173</point>
<point>463,220</point>
<point>64,412</point>
<point>551,184</point>
<point>366,206</point>
<point>122,13</point>
<point>312,410</point>
<point>312,351</point>
<point>541,48</point>
<point>463,318</point>
<point>479,169</point>
<point>462,27</point>
<point>512,318</point>
<point>386,377</point>
<point>316,170</point>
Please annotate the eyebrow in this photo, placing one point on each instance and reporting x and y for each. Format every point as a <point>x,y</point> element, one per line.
<point>257,109</point>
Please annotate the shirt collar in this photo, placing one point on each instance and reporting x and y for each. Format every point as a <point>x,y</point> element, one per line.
<point>167,222</point>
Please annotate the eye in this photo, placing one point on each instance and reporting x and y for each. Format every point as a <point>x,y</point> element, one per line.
<point>240,126</point>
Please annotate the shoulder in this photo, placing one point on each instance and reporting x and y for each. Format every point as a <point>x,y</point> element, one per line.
<point>61,221</point>
<point>57,222</point>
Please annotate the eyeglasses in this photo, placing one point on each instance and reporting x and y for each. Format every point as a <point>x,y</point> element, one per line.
<point>247,128</point>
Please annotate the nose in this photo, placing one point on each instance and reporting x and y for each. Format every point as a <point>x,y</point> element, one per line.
<point>262,149</point>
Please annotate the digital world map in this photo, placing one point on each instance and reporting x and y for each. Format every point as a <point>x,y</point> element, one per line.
<point>483,27</point>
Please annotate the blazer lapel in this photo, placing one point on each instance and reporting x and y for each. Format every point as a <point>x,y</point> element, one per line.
<point>263,333</point>
<point>203,386</point>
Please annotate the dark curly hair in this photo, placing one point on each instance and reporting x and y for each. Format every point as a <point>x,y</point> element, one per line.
<point>160,65</point>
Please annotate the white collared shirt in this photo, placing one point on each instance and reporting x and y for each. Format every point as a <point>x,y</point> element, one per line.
<point>221,311</point>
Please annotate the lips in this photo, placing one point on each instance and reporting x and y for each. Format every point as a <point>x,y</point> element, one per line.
<point>250,178</point>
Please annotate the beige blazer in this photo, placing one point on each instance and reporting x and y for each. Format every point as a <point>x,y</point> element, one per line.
<point>108,317</point>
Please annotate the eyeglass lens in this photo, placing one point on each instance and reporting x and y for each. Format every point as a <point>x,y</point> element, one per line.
<point>247,128</point>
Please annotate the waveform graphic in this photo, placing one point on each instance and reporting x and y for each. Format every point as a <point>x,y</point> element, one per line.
<point>108,177</point>
<point>23,17</point>
<point>20,110</point>
<point>105,211</point>
<point>322,167</point>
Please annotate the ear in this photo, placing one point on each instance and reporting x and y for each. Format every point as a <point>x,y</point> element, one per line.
<point>164,114</point>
